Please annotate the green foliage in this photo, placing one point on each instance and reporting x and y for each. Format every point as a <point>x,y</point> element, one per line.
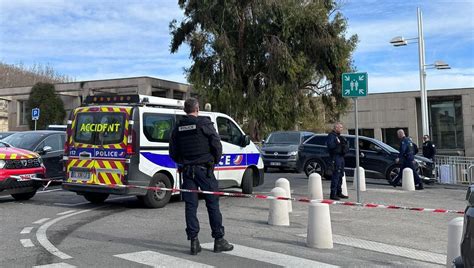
<point>51,106</point>
<point>264,61</point>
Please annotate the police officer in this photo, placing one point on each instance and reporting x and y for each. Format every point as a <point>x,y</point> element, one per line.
<point>337,148</point>
<point>196,147</point>
<point>407,157</point>
<point>429,149</point>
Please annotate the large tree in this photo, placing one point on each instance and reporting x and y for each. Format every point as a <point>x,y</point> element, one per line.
<point>263,61</point>
<point>43,96</point>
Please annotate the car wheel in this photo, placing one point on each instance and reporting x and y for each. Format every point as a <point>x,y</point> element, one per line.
<point>392,172</point>
<point>247,181</point>
<point>95,198</point>
<point>24,196</point>
<point>312,166</point>
<point>155,198</point>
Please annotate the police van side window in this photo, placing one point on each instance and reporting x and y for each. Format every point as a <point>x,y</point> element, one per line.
<point>158,127</point>
<point>228,131</point>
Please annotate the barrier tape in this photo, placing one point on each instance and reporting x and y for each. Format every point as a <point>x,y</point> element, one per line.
<point>256,196</point>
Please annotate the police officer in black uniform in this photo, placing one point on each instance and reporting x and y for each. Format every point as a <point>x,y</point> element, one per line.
<point>406,156</point>
<point>337,148</point>
<point>429,149</point>
<point>196,147</point>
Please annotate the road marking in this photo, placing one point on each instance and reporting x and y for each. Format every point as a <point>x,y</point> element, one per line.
<point>389,249</point>
<point>55,265</point>
<point>41,221</point>
<point>66,212</point>
<point>270,257</point>
<point>85,203</point>
<point>26,230</point>
<point>43,239</point>
<point>27,243</point>
<point>48,191</point>
<point>156,259</point>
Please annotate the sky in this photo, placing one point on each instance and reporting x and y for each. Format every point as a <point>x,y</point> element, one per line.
<point>94,40</point>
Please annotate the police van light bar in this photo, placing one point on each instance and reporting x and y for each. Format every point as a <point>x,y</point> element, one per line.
<point>135,99</point>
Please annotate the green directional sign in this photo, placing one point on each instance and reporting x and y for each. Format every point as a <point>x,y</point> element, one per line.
<point>354,85</point>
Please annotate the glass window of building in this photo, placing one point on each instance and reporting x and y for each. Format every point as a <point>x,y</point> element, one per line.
<point>389,136</point>
<point>446,122</point>
<point>23,113</point>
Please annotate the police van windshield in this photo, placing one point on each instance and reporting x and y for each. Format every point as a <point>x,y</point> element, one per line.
<point>99,128</point>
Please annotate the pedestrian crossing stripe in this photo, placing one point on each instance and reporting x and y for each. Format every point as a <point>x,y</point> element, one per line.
<point>156,259</point>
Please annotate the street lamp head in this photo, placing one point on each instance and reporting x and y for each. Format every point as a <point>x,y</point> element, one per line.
<point>441,65</point>
<point>399,41</point>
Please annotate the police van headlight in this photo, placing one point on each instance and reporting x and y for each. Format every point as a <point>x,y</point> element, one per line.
<point>2,164</point>
<point>293,153</point>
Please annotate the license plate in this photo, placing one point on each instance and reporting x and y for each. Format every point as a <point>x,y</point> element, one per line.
<point>275,164</point>
<point>80,175</point>
<point>27,176</point>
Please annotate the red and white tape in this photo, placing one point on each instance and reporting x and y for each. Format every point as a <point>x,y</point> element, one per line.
<point>257,196</point>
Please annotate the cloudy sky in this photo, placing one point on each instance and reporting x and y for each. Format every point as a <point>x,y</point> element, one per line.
<point>90,40</point>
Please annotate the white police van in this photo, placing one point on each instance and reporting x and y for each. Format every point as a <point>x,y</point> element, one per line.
<point>120,141</point>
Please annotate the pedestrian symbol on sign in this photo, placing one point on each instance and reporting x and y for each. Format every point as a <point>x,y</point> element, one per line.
<point>354,84</point>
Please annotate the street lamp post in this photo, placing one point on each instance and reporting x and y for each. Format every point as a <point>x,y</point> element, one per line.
<point>400,41</point>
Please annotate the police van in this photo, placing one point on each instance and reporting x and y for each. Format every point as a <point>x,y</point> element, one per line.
<point>117,142</point>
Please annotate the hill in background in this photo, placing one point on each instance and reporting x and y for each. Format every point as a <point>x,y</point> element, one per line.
<point>19,75</point>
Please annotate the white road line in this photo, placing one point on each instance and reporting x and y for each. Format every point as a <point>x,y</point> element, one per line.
<point>27,243</point>
<point>41,221</point>
<point>55,265</point>
<point>156,259</point>
<point>26,230</point>
<point>66,212</point>
<point>43,239</point>
<point>270,257</point>
<point>48,191</point>
<point>389,249</point>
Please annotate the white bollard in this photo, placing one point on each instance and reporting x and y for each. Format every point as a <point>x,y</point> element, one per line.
<point>278,214</point>
<point>344,185</point>
<point>408,182</point>
<point>362,187</point>
<point>285,184</point>
<point>315,186</point>
<point>455,227</point>
<point>319,226</point>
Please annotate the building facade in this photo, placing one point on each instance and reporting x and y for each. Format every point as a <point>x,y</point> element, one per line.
<point>72,95</point>
<point>450,111</point>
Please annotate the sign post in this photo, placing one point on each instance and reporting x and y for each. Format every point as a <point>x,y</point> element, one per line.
<point>355,85</point>
<point>35,114</point>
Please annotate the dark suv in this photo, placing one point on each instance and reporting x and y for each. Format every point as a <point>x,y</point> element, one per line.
<point>467,243</point>
<point>375,157</point>
<point>280,149</point>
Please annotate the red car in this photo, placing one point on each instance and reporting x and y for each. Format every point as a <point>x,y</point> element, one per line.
<point>19,163</point>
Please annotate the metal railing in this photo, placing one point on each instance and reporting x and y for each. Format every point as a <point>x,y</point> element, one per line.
<point>454,169</point>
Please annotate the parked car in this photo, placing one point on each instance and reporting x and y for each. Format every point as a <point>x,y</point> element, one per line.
<point>467,241</point>
<point>280,149</point>
<point>5,134</point>
<point>376,157</point>
<point>48,144</point>
<point>18,163</point>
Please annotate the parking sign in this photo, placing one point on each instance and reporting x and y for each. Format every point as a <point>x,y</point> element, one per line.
<point>35,113</point>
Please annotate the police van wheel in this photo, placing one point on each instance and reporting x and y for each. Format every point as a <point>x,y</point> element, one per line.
<point>247,181</point>
<point>95,198</point>
<point>24,196</point>
<point>158,199</point>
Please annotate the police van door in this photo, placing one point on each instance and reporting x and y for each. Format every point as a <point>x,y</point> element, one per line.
<point>98,143</point>
<point>234,156</point>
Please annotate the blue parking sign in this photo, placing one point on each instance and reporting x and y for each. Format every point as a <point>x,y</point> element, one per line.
<point>35,113</point>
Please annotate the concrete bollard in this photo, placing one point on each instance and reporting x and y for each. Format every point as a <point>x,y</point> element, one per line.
<point>285,184</point>
<point>362,187</point>
<point>315,186</point>
<point>455,227</point>
<point>344,185</point>
<point>319,226</point>
<point>278,214</point>
<point>408,182</point>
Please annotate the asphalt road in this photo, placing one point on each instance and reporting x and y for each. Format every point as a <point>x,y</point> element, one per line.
<point>60,229</point>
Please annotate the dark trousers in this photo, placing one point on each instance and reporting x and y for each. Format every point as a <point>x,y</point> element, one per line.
<point>194,177</point>
<point>338,173</point>
<point>407,164</point>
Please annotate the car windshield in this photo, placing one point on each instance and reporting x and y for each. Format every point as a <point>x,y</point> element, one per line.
<point>284,138</point>
<point>26,141</point>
